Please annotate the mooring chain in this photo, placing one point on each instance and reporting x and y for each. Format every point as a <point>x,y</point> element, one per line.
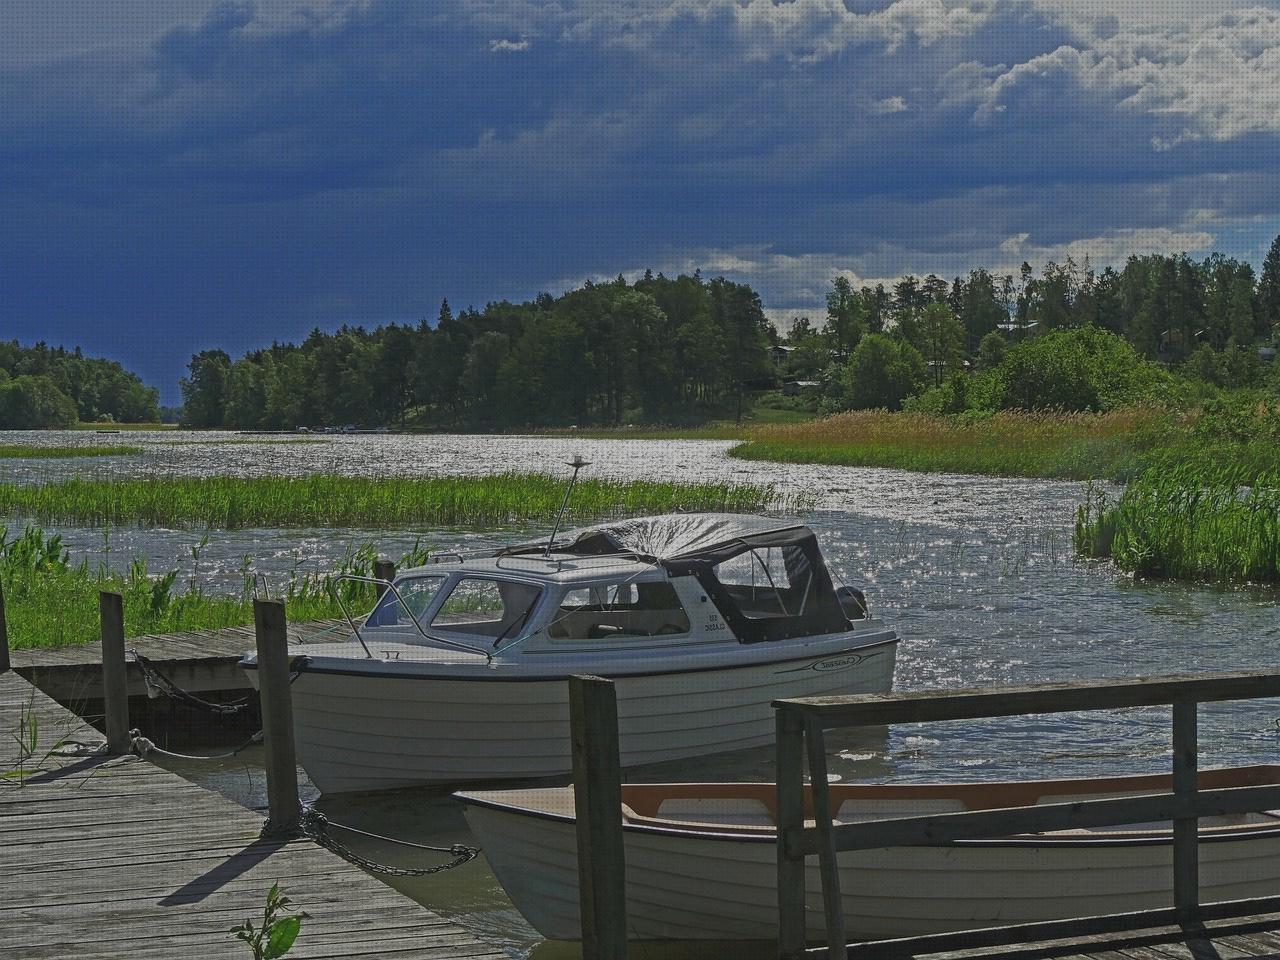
<point>316,826</point>
<point>157,681</point>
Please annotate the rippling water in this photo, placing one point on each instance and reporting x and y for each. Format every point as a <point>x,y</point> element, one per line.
<point>976,574</point>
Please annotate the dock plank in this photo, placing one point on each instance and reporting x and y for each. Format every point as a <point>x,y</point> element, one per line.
<point>122,859</point>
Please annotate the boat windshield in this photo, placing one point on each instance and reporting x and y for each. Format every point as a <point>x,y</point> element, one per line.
<point>410,599</point>
<point>485,607</point>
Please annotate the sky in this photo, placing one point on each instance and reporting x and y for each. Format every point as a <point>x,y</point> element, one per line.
<point>184,174</point>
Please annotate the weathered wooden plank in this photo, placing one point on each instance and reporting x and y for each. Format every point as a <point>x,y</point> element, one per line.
<point>789,734</point>
<point>1011,821</point>
<point>970,704</point>
<point>832,908</point>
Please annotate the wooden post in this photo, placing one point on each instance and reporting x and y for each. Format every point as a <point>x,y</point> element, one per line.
<point>832,907</point>
<point>790,773</point>
<point>277,718</point>
<point>1186,833</point>
<point>115,683</point>
<point>383,570</point>
<point>597,796</point>
<point>4,636</point>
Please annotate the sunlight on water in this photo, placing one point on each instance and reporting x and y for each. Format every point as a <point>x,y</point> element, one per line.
<point>976,574</point>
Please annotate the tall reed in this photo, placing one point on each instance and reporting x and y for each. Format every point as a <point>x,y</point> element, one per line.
<point>335,501</point>
<point>1188,523</point>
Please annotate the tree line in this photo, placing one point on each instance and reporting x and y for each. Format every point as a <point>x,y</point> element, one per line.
<point>45,387</point>
<point>686,349</point>
<point>659,350</point>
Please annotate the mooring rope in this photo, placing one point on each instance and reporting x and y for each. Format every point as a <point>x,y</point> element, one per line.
<point>143,746</point>
<point>158,682</point>
<point>316,826</point>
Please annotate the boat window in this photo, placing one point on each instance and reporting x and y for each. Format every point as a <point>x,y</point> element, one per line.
<point>768,582</point>
<point>487,608</point>
<point>415,595</point>
<point>627,609</point>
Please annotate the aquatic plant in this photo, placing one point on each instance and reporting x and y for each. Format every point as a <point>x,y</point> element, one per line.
<point>338,501</point>
<point>1010,443</point>
<point>52,600</point>
<point>21,451</point>
<point>1188,523</point>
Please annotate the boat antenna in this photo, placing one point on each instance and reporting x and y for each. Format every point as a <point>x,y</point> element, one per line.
<point>577,463</point>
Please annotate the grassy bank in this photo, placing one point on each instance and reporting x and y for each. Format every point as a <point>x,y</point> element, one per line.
<point>20,451</point>
<point>1188,524</point>
<point>1066,445</point>
<point>50,600</point>
<point>333,501</point>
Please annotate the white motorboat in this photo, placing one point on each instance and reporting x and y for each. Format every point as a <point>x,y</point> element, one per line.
<point>459,673</point>
<point>701,859</point>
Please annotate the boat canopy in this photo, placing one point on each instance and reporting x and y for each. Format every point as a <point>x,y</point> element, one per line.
<point>762,594</point>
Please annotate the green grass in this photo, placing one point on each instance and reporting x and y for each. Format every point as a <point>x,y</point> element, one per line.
<point>334,501</point>
<point>16,451</point>
<point>1011,443</point>
<point>51,601</point>
<point>1188,523</point>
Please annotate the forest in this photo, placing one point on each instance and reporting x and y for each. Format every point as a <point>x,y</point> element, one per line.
<point>44,387</point>
<point>684,350</point>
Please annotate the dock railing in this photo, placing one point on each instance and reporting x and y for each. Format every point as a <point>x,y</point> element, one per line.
<point>801,724</point>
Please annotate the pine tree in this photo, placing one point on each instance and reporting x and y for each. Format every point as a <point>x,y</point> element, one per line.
<point>1269,292</point>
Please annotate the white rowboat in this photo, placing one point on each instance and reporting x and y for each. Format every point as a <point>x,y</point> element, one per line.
<point>701,858</point>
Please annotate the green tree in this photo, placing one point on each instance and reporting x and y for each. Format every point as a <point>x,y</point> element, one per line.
<point>882,372</point>
<point>845,325</point>
<point>204,392</point>
<point>1269,292</point>
<point>35,403</point>
<point>940,340</point>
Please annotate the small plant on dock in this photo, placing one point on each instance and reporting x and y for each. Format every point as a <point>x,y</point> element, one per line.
<point>279,929</point>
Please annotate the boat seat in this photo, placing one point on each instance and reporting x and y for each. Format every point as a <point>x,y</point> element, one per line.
<point>716,810</point>
<point>861,809</point>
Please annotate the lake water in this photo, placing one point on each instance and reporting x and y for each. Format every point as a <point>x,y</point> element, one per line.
<point>976,574</point>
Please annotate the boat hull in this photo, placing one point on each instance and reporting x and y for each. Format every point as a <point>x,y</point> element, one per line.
<point>723,887</point>
<point>361,732</point>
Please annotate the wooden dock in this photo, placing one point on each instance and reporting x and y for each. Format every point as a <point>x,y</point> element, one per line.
<point>117,858</point>
<point>196,660</point>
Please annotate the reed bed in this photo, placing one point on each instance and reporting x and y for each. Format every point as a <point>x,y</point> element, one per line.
<point>337,501</point>
<point>1010,443</point>
<point>18,451</point>
<point>1192,523</point>
<point>51,601</point>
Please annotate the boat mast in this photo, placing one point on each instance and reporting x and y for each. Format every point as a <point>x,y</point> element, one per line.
<point>577,463</point>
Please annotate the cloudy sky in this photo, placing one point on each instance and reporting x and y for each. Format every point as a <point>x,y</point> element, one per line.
<point>178,174</point>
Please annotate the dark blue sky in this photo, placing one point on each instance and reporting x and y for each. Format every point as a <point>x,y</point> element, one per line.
<point>179,174</point>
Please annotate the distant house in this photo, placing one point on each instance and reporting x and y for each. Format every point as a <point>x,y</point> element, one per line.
<point>1266,354</point>
<point>779,352</point>
<point>795,388</point>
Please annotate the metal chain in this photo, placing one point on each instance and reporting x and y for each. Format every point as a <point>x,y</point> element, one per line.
<point>316,825</point>
<point>159,682</point>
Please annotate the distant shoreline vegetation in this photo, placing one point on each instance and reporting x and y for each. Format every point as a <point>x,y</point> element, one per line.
<point>336,501</point>
<point>43,387</point>
<point>15,451</point>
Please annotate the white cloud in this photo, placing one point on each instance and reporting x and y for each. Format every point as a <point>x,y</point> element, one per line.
<point>509,46</point>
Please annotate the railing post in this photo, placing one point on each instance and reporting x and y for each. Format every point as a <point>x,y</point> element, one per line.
<point>790,773</point>
<point>383,570</point>
<point>115,682</point>
<point>277,718</point>
<point>833,909</point>
<point>597,797</point>
<point>4,635</point>
<point>1186,833</point>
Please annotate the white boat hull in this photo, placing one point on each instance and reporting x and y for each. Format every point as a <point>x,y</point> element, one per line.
<point>359,732</point>
<point>724,887</point>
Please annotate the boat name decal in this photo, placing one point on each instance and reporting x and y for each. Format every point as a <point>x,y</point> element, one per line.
<point>840,662</point>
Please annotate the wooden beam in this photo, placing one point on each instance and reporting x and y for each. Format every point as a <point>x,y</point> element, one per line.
<point>790,773</point>
<point>1009,821</point>
<point>970,704</point>
<point>115,683</point>
<point>4,635</point>
<point>597,796</point>
<point>832,908</point>
<point>383,570</point>
<point>1186,841</point>
<point>274,692</point>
